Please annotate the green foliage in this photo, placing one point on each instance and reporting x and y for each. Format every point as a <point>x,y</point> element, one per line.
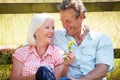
<point>115,74</point>
<point>69,45</point>
<point>5,65</point>
<point>5,71</point>
<point>5,58</point>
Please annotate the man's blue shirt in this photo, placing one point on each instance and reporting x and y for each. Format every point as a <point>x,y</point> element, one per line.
<point>95,48</point>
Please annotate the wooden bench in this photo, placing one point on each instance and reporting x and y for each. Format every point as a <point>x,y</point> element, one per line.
<point>6,61</point>
<point>18,8</point>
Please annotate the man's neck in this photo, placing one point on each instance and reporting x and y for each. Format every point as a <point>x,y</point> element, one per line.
<point>80,37</point>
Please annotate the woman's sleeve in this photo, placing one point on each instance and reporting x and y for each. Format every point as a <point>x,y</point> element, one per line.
<point>20,54</point>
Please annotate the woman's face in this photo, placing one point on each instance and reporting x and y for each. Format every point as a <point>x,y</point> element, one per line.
<point>46,32</point>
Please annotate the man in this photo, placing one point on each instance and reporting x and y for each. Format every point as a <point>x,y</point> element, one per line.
<point>93,51</point>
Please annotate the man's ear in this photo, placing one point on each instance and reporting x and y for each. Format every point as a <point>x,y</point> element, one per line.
<point>81,16</point>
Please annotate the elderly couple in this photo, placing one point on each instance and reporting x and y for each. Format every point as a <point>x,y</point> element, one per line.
<point>90,58</point>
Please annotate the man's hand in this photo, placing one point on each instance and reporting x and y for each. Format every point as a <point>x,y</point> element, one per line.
<point>69,58</point>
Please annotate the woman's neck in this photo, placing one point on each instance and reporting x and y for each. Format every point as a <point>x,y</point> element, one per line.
<point>41,49</point>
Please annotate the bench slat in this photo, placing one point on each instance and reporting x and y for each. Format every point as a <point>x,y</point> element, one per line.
<point>18,8</point>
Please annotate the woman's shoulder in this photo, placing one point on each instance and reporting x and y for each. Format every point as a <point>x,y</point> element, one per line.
<point>23,51</point>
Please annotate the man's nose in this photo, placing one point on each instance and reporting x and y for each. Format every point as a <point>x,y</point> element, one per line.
<point>65,25</point>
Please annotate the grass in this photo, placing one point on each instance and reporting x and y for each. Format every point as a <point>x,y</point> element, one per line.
<point>13,30</point>
<point>5,72</point>
<point>115,75</point>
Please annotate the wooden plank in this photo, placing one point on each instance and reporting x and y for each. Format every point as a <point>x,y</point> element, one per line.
<point>8,8</point>
<point>18,8</point>
<point>117,53</point>
<point>49,1</point>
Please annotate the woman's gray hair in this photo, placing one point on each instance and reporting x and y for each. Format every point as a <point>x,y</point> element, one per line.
<point>36,22</point>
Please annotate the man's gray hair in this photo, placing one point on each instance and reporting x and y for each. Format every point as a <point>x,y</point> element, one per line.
<point>77,5</point>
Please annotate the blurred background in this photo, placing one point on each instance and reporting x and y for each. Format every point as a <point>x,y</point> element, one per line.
<point>13,26</point>
<point>100,17</point>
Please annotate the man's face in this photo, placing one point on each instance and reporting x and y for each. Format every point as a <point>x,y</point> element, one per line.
<point>69,22</point>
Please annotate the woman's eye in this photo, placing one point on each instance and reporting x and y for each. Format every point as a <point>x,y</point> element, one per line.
<point>53,27</point>
<point>47,27</point>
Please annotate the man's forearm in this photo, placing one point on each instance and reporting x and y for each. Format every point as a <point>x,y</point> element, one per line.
<point>64,70</point>
<point>97,74</point>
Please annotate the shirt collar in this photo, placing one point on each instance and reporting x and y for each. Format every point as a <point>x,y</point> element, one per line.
<point>90,33</point>
<point>49,50</point>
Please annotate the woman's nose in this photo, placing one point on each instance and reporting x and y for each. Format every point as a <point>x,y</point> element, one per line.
<point>52,31</point>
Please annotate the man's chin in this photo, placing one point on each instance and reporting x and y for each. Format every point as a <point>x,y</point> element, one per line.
<point>69,34</point>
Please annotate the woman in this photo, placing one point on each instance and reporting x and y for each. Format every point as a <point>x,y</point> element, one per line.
<point>39,51</point>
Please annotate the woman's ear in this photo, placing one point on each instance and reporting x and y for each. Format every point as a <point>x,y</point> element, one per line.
<point>35,34</point>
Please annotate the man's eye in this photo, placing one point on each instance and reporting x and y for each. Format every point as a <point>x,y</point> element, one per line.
<point>68,21</point>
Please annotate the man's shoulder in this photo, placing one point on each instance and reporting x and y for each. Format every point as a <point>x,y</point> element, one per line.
<point>99,36</point>
<point>95,34</point>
